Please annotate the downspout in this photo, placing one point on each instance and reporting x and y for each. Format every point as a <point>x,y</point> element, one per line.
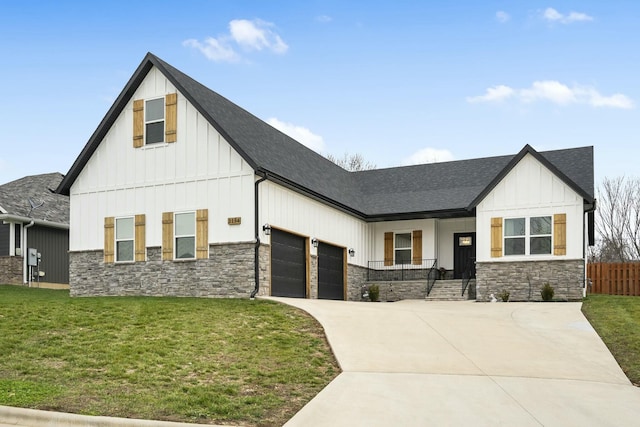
<point>23,245</point>
<point>256,260</point>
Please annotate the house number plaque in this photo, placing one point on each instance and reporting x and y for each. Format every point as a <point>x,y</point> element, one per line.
<point>236,220</point>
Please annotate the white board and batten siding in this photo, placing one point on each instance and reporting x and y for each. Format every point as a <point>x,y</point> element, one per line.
<point>427,226</point>
<point>292,212</point>
<point>200,170</point>
<point>528,190</point>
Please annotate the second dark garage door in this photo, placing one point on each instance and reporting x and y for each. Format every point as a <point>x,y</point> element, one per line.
<point>288,265</point>
<point>330,272</point>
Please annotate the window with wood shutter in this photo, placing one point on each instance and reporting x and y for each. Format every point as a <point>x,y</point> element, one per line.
<point>167,236</point>
<point>202,234</point>
<point>388,248</point>
<point>417,247</point>
<point>140,249</point>
<point>109,239</point>
<point>560,234</point>
<point>155,120</point>
<point>496,237</point>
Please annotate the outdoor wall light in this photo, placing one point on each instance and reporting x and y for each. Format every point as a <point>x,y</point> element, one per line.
<point>314,242</point>
<point>352,252</point>
<point>267,229</point>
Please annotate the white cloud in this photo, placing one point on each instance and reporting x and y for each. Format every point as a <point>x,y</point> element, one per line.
<point>299,133</point>
<point>256,35</point>
<point>249,35</point>
<point>550,90</point>
<point>428,155</point>
<point>502,16</point>
<point>493,94</point>
<point>552,15</point>
<point>557,93</point>
<point>324,19</point>
<point>214,49</point>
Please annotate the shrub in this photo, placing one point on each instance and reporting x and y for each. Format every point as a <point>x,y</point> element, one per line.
<point>547,292</point>
<point>374,292</point>
<point>504,295</point>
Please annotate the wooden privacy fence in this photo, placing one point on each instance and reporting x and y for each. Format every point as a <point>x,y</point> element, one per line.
<point>620,278</point>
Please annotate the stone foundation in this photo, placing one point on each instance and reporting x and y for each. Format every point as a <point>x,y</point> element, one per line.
<point>523,280</point>
<point>399,290</point>
<point>227,273</point>
<point>11,270</point>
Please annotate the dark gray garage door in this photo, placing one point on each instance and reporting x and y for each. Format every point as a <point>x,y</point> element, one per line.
<point>330,272</point>
<point>288,265</point>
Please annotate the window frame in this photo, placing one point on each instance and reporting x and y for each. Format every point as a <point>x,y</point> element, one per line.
<point>177,236</point>
<point>527,236</point>
<point>132,239</point>
<point>409,260</point>
<point>162,120</point>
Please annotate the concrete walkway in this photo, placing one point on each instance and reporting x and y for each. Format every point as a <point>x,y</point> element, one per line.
<point>416,363</point>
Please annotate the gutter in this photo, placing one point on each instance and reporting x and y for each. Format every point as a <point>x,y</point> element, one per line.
<point>17,218</point>
<point>256,260</point>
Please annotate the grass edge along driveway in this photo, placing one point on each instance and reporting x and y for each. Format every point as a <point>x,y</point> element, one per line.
<point>226,361</point>
<point>617,320</point>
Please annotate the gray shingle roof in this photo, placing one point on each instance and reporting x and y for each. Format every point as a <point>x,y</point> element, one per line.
<point>438,189</point>
<point>15,195</point>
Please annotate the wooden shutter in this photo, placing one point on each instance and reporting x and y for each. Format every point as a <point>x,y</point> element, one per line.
<point>109,239</point>
<point>167,236</point>
<point>140,253</point>
<point>496,237</point>
<point>417,247</point>
<point>388,248</point>
<point>202,234</point>
<point>138,123</point>
<point>171,117</point>
<point>560,234</point>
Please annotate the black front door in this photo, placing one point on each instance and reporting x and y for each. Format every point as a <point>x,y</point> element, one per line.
<point>464,255</point>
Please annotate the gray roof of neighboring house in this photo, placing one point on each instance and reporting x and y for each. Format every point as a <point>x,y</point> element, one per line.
<point>15,196</point>
<point>437,189</point>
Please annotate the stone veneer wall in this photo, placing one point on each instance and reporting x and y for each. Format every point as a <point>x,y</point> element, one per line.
<point>356,278</point>
<point>264,255</point>
<point>11,270</point>
<point>227,273</point>
<point>523,280</point>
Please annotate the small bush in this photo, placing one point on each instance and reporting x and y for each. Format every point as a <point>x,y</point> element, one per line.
<point>374,293</point>
<point>547,292</point>
<point>504,295</point>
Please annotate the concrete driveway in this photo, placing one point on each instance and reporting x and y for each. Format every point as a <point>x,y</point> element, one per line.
<point>417,363</point>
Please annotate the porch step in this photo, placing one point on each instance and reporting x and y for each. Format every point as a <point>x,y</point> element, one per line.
<point>449,290</point>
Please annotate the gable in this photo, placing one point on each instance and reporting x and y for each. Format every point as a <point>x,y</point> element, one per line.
<point>529,184</point>
<point>198,151</point>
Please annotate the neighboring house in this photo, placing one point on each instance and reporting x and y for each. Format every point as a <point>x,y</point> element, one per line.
<point>33,215</point>
<point>181,192</point>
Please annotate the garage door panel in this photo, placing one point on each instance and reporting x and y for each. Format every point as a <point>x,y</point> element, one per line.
<point>330,272</point>
<point>288,265</point>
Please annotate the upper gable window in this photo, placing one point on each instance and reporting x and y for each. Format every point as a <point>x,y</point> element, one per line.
<point>154,121</point>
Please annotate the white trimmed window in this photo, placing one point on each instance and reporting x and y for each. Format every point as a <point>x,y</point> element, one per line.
<point>402,248</point>
<point>124,239</point>
<point>527,236</point>
<point>154,121</point>
<point>185,235</point>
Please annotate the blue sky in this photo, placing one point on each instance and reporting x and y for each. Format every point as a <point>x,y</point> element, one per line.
<point>398,82</point>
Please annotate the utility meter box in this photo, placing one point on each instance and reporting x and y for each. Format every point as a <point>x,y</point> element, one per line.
<point>32,257</point>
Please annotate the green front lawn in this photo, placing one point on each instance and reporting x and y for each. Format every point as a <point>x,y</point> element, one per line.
<point>179,359</point>
<point>617,321</point>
